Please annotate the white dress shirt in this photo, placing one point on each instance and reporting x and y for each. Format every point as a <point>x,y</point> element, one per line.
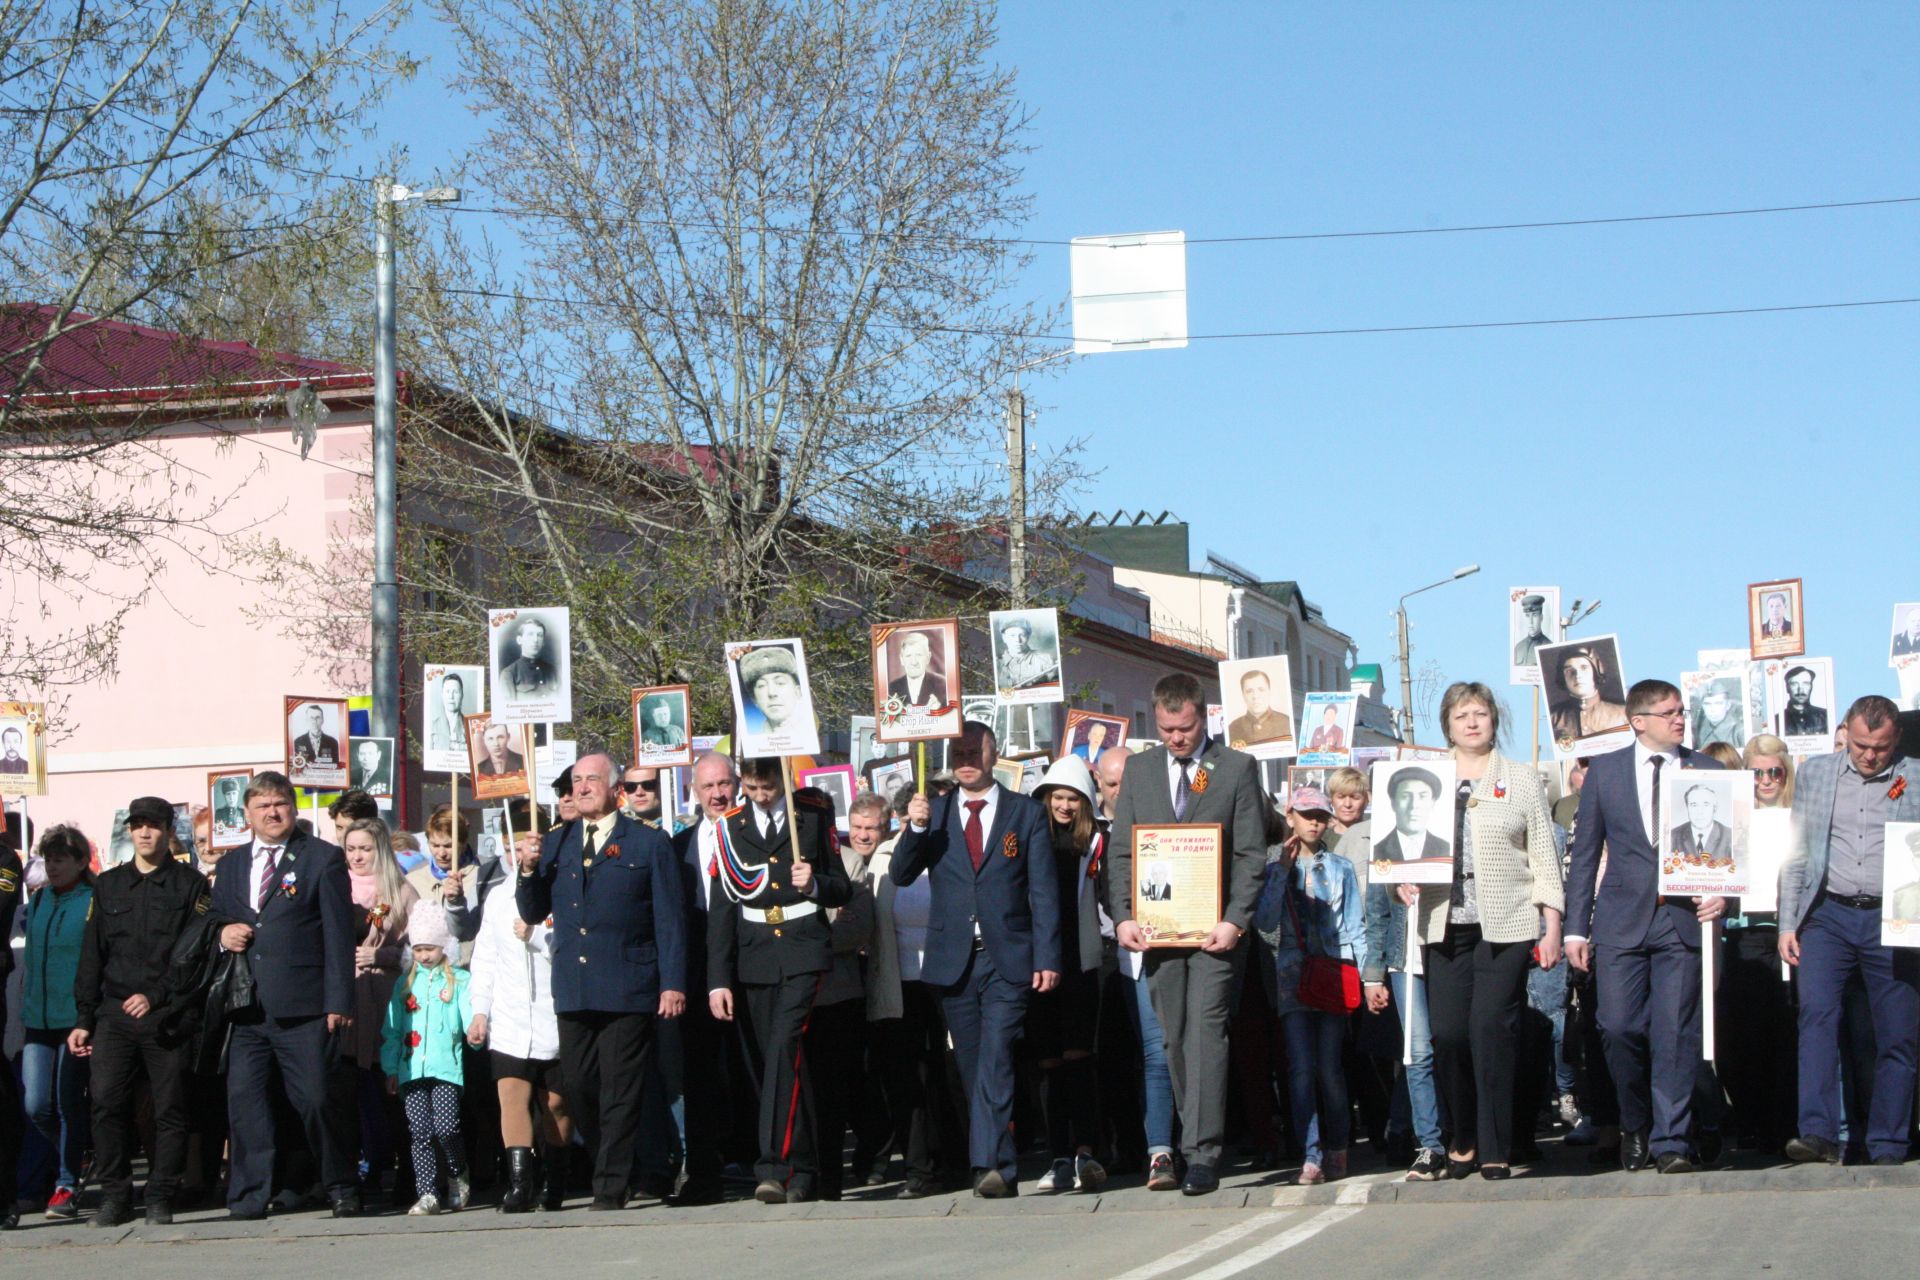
<point>708,851</point>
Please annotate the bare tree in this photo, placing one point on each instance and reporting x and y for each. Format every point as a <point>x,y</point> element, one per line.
<point>149,150</point>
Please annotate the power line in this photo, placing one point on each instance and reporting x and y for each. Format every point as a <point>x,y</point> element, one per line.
<point>1274,237</point>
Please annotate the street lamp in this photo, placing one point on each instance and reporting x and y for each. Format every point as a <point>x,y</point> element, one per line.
<point>386,585</point>
<point>1406,672</point>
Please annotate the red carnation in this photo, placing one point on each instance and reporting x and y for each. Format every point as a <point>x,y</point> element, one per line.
<point>413,1005</point>
<point>413,1039</point>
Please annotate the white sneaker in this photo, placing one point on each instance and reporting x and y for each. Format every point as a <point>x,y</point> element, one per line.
<point>459,1193</point>
<point>1569,1110</point>
<point>426,1206</point>
<point>1088,1174</point>
<point>1058,1178</point>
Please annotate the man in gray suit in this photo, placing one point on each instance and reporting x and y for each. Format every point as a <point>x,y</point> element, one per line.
<point>1191,778</point>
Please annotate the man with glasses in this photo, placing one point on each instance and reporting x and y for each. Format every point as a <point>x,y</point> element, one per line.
<point>640,795</point>
<point>1644,949</point>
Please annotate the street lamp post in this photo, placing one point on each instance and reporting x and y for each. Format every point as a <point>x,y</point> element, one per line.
<point>1406,660</point>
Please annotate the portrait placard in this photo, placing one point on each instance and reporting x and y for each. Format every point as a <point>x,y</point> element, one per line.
<point>1026,655</point>
<point>1299,776</point>
<point>449,694</point>
<point>1909,676</point>
<point>227,803</point>
<point>1326,721</point>
<point>1775,623</point>
<point>916,680</point>
<point>1716,705</point>
<point>1533,620</point>
<point>888,778</point>
<point>317,742</point>
<point>529,654</point>
<point>1900,885</point>
<point>1905,645</point>
<point>662,726</point>
<point>1411,836</point>
<point>772,701</point>
<point>1008,774</point>
<point>1740,662</point>
<point>1033,771</point>
<point>837,781</point>
<point>23,748</point>
<point>1176,882</point>
<point>1364,758</point>
<point>1703,831</point>
<point>371,769</point>
<point>1257,699</point>
<point>1088,733</point>
<point>1800,706</point>
<point>1023,729</point>
<point>497,757</point>
<point>1586,692</point>
<point>1769,840</point>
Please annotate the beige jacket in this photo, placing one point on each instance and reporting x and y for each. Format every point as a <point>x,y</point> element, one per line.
<point>1516,870</point>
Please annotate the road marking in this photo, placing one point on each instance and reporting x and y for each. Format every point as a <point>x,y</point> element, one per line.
<point>1279,1244</point>
<point>1200,1248</point>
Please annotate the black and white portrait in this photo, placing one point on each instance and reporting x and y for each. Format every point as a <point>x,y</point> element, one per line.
<point>1704,819</point>
<point>661,728</point>
<point>227,803</point>
<point>1156,882</point>
<point>1257,699</point>
<point>1586,695</point>
<point>532,676</point>
<point>1800,706</point>
<point>1906,634</point>
<point>1412,831</point>
<point>771,700</point>
<point>1026,655</point>
<point>15,757</point>
<point>372,768</point>
<point>1716,703</point>
<point>317,742</point>
<point>449,694</point>
<point>888,778</point>
<point>837,781</point>
<point>1533,620</point>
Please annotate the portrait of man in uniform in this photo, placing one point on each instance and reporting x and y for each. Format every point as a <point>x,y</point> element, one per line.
<point>317,742</point>
<point>531,673</point>
<point>1262,720</point>
<point>771,699</point>
<point>1717,715</point>
<point>1585,697</point>
<point>1533,613</point>
<point>372,769</point>
<point>498,759</point>
<point>319,747</point>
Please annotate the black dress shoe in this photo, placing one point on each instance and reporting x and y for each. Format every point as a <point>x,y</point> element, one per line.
<point>1496,1172</point>
<point>915,1189</point>
<point>700,1191</point>
<point>159,1213</point>
<point>115,1213</point>
<point>1673,1162</point>
<point>346,1205</point>
<point>1458,1169</point>
<point>246,1215</point>
<point>9,1218</point>
<point>653,1186</point>
<point>1811,1151</point>
<point>1634,1153</point>
<point>606,1204</point>
<point>1708,1147</point>
<point>1200,1180</point>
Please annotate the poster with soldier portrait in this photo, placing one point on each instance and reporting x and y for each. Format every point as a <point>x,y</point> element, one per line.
<point>662,716</point>
<point>1704,818</point>
<point>1026,655</point>
<point>449,694</point>
<point>1257,700</point>
<point>916,680</point>
<point>23,748</point>
<point>371,769</point>
<point>1716,706</point>
<point>227,807</point>
<point>1776,627</point>
<point>1326,727</point>
<point>1800,708</point>
<point>1586,692</point>
<point>772,701</point>
<point>527,652</point>
<point>498,755</point>
<point>1904,647</point>
<point>1533,620</point>
<point>317,742</point>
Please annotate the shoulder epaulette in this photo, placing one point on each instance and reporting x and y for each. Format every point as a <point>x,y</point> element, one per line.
<point>734,812</point>
<point>813,799</point>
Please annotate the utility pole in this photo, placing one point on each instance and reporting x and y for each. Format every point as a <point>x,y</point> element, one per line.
<point>1406,677</point>
<point>386,587</point>
<point>1017,497</point>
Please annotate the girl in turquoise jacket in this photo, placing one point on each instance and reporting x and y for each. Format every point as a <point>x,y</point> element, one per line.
<point>420,1048</point>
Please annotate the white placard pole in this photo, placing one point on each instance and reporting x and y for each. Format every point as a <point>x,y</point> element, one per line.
<point>1707,939</point>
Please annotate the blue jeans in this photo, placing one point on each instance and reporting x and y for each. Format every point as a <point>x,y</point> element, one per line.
<point>1317,1079</point>
<point>1416,1104</point>
<point>55,1085</point>
<point>1158,1080</point>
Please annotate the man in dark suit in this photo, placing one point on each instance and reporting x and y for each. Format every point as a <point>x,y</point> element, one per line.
<point>1644,949</point>
<point>1192,778</point>
<point>1412,792</point>
<point>767,933</point>
<point>919,690</point>
<point>993,935</point>
<point>614,892</point>
<point>318,749</point>
<point>283,898</point>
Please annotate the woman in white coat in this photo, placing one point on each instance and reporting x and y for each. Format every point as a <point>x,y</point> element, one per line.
<point>512,999</point>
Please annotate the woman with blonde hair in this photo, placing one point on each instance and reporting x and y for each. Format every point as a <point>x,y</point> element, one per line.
<point>1759,1058</point>
<point>381,900</point>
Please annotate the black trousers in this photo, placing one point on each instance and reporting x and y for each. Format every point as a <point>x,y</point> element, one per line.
<point>123,1048</point>
<point>703,1092</point>
<point>836,1045</point>
<point>303,1055</point>
<point>784,1132</point>
<point>13,1123</point>
<point>1475,992</point>
<point>603,1058</point>
<point>923,1100</point>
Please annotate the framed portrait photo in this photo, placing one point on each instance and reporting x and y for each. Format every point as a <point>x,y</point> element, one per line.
<point>1904,647</point>
<point>662,726</point>
<point>772,702</point>
<point>448,695</point>
<point>888,778</point>
<point>528,653</point>
<point>371,769</point>
<point>1533,620</point>
<point>23,748</point>
<point>499,757</point>
<point>1411,838</point>
<point>1026,655</point>
<point>867,747</point>
<point>1716,703</point>
<point>1586,696</point>
<point>1087,733</point>
<point>837,780</point>
<point>1703,831</point>
<point>317,742</point>
<point>1257,700</point>
<point>1800,706</point>
<point>1775,621</point>
<point>1305,776</point>
<point>916,680</point>
<point>227,803</point>
<point>1326,727</point>
<point>1176,882</point>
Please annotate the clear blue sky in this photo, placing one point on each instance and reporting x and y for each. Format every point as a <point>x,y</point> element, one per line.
<point>1658,466</point>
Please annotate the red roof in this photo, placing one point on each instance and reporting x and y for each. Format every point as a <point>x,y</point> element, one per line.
<point>111,360</point>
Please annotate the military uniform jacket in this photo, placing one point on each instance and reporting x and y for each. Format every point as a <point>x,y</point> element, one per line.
<point>619,926</point>
<point>743,950</point>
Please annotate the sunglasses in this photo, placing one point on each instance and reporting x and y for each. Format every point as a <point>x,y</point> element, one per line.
<point>631,787</point>
<point>1773,771</point>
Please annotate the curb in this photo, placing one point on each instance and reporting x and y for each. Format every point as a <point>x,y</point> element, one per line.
<point>1605,1186</point>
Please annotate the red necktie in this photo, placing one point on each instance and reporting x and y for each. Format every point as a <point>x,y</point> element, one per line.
<point>976,838</point>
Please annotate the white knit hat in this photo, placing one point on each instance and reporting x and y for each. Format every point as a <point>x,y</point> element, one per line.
<point>1070,772</point>
<point>427,925</point>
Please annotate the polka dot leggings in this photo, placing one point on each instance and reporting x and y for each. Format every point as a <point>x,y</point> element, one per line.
<point>433,1119</point>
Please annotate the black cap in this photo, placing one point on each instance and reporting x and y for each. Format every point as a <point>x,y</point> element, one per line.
<point>563,785</point>
<point>151,809</point>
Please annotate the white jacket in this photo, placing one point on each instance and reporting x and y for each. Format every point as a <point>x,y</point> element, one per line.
<point>512,980</point>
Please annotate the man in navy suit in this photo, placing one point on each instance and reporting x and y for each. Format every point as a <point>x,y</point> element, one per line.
<point>1645,949</point>
<point>613,889</point>
<point>284,899</point>
<point>993,935</point>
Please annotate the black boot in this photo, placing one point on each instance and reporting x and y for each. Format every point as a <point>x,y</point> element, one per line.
<point>559,1163</point>
<point>522,1181</point>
